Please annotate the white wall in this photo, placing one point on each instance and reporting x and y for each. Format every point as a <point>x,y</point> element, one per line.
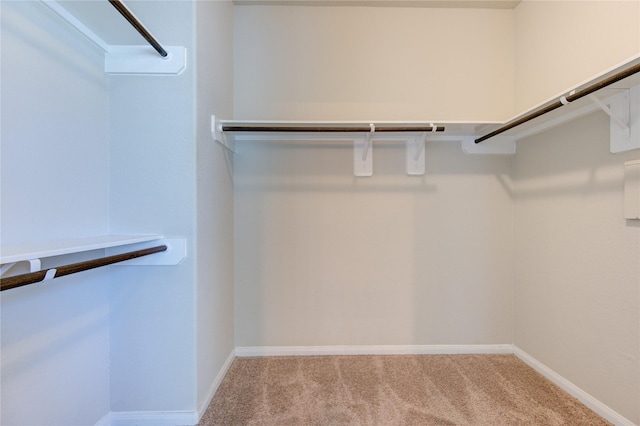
<point>373,63</point>
<point>577,262</point>
<point>324,258</point>
<point>55,168</point>
<point>560,44</point>
<point>215,337</point>
<point>86,154</point>
<point>153,190</point>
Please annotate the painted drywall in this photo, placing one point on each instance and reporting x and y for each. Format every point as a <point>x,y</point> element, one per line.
<point>560,44</point>
<point>215,338</point>
<point>55,168</point>
<point>373,63</point>
<point>153,190</point>
<point>577,262</point>
<point>324,258</point>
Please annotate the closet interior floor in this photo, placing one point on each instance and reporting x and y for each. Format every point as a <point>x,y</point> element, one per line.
<point>391,390</point>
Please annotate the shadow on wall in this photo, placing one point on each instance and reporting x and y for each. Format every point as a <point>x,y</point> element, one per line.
<point>304,166</point>
<point>325,258</point>
<point>55,335</point>
<point>578,163</point>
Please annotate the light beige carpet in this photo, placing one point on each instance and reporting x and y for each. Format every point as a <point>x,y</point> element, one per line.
<point>391,390</point>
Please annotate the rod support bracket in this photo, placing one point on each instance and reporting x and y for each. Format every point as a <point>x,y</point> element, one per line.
<point>362,157</point>
<point>620,108</point>
<point>221,137</point>
<point>415,155</point>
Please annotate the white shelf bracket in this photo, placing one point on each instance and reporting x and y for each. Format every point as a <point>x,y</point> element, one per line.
<point>624,134</point>
<point>363,156</point>
<point>220,137</point>
<point>620,108</point>
<point>367,142</point>
<point>415,155</point>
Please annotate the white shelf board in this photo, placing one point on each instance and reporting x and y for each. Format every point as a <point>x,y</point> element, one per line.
<point>452,128</point>
<point>572,110</point>
<point>42,249</point>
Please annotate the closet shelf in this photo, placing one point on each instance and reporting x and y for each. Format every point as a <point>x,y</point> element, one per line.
<point>153,59</point>
<point>228,132</point>
<point>615,91</point>
<point>22,252</point>
<point>618,97</point>
<point>112,244</point>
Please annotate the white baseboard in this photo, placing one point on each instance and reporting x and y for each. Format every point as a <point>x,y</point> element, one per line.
<point>167,418</point>
<point>573,390</point>
<point>216,384</point>
<point>247,351</point>
<point>153,418</point>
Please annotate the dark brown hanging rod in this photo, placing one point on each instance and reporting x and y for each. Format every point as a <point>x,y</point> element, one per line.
<point>124,11</point>
<point>628,72</point>
<point>329,129</point>
<point>35,277</point>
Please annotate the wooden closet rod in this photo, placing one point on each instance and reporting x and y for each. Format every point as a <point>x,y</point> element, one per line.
<point>569,98</point>
<point>328,129</point>
<point>35,277</point>
<point>124,11</point>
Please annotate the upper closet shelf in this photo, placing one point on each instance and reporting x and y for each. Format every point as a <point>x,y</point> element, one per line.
<point>227,132</point>
<point>615,91</point>
<point>112,244</point>
<point>152,59</point>
<point>361,133</point>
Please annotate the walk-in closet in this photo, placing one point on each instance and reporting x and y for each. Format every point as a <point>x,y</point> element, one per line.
<point>195,189</point>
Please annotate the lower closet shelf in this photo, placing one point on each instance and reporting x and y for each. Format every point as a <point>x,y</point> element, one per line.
<point>118,249</point>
